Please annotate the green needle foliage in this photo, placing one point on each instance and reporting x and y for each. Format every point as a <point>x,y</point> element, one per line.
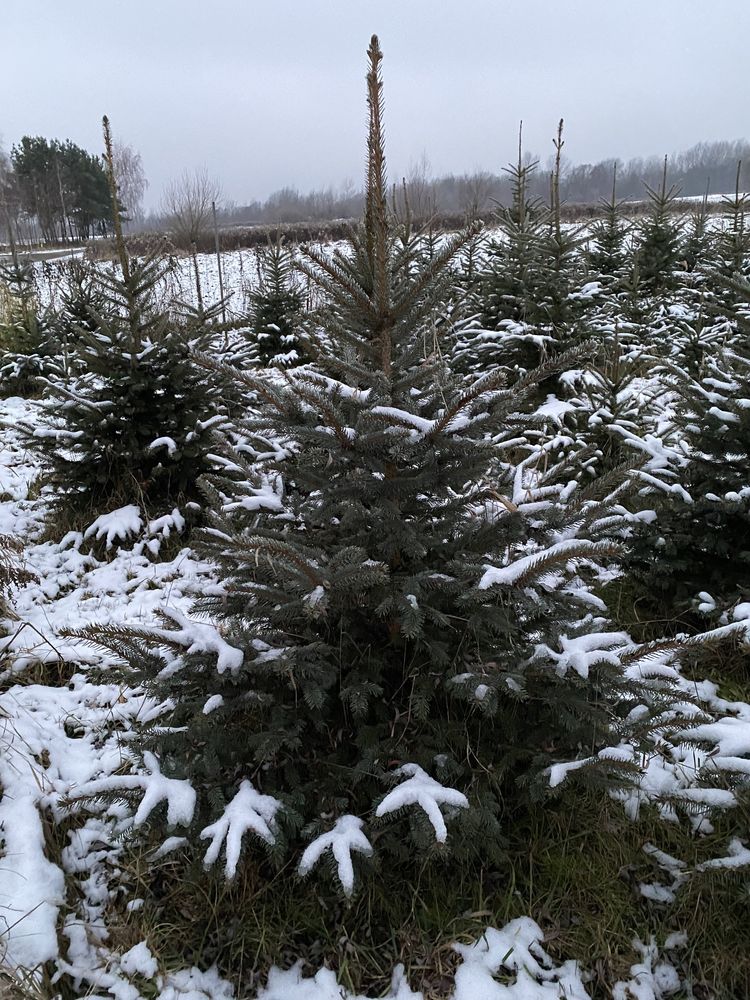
<point>700,542</point>
<point>138,424</point>
<point>276,308</point>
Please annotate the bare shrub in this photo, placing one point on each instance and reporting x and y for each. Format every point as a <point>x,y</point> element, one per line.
<point>187,204</point>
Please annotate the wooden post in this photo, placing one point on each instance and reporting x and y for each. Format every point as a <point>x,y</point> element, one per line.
<point>218,265</point>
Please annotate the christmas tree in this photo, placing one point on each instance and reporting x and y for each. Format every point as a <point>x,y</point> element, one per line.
<point>658,240</point>
<point>510,287</point>
<point>402,644</point>
<point>276,308</point>
<point>28,345</point>
<point>698,543</point>
<point>607,252</point>
<point>138,423</point>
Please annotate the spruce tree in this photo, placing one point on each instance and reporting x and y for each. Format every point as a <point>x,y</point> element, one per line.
<point>608,408</point>
<point>607,252</point>
<point>28,345</point>
<point>700,539</point>
<point>658,240</point>
<point>276,308</point>
<point>733,242</point>
<point>510,286</point>
<point>397,645</point>
<point>559,292</point>
<point>697,242</point>
<point>137,425</point>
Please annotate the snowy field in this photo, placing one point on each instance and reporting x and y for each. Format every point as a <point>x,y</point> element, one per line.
<point>240,275</point>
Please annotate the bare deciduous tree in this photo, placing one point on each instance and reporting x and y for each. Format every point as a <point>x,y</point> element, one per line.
<point>131,180</point>
<point>187,204</point>
<point>419,189</point>
<point>10,201</point>
<point>476,190</point>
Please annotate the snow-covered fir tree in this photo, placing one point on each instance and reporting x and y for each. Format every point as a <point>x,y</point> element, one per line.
<point>605,403</point>
<point>733,238</point>
<point>509,288</point>
<point>28,344</point>
<point>137,424</point>
<point>276,307</point>
<point>402,643</point>
<point>559,291</point>
<point>607,250</point>
<point>697,244</point>
<point>699,542</point>
<point>658,240</point>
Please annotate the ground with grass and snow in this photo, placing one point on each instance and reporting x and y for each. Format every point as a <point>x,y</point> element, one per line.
<point>63,731</point>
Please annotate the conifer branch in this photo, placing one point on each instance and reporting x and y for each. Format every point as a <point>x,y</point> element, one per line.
<point>333,281</point>
<point>258,384</point>
<point>318,403</point>
<point>122,252</point>
<point>258,545</point>
<point>487,383</point>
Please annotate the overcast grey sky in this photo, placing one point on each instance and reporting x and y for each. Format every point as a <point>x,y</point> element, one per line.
<point>268,93</point>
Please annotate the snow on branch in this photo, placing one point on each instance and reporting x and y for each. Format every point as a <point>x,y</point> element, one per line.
<point>268,495</point>
<point>250,811</point>
<point>581,652</point>
<point>528,567</point>
<point>118,525</point>
<point>164,442</point>
<point>421,790</point>
<point>345,837</point>
<point>738,856</point>
<point>178,794</point>
<point>200,637</point>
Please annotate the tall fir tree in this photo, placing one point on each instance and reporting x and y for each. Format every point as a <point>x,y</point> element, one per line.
<point>658,240</point>
<point>395,647</point>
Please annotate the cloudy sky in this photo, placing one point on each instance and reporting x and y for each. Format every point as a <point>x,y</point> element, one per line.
<point>269,93</point>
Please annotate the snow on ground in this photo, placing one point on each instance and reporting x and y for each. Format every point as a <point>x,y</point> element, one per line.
<point>57,736</point>
<point>240,274</point>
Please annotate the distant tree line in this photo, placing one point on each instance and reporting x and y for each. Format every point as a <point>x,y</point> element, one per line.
<point>54,191</point>
<point>712,164</point>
